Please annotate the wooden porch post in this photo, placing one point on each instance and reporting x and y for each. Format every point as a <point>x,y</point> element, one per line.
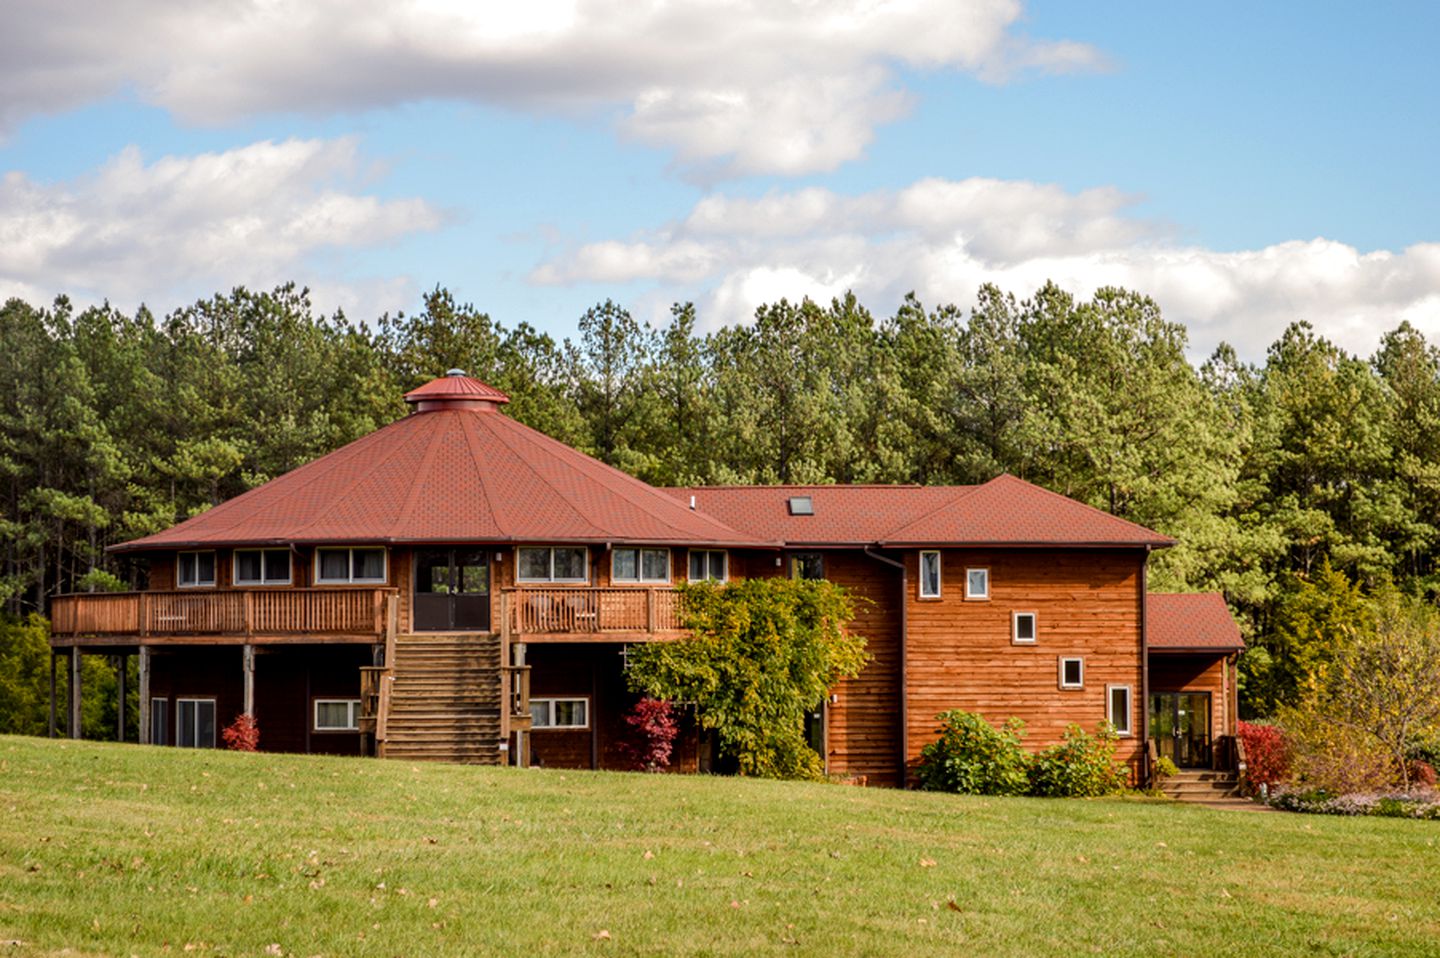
<point>74,691</point>
<point>522,750</point>
<point>53,670</point>
<point>145,730</point>
<point>123,665</point>
<point>247,663</point>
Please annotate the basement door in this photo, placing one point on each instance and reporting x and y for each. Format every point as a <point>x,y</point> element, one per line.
<point>1180,726</point>
<point>452,590</point>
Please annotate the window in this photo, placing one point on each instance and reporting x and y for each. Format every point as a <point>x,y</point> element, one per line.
<point>560,713</point>
<point>553,564</point>
<point>930,574</point>
<point>807,565</point>
<point>262,567</point>
<point>640,565</point>
<point>802,506</point>
<point>337,715</point>
<point>159,722</point>
<point>977,583</point>
<point>712,564</point>
<point>1118,708</point>
<point>195,569</point>
<point>1072,673</point>
<point>195,723</point>
<point>1022,628</point>
<point>350,565</point>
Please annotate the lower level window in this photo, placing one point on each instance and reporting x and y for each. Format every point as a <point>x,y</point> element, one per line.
<point>560,713</point>
<point>195,723</point>
<point>1119,708</point>
<point>337,715</point>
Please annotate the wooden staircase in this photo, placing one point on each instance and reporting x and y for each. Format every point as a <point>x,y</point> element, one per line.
<point>1212,789</point>
<point>444,705</point>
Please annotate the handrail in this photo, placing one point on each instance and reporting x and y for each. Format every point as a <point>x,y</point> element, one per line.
<point>533,610</point>
<point>240,612</point>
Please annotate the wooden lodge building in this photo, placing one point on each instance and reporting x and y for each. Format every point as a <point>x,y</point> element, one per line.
<point>458,586</point>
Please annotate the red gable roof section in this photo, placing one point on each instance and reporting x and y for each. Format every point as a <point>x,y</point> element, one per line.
<point>462,472</point>
<point>844,515</point>
<point>1003,511</point>
<point>1011,511</point>
<point>1199,622</point>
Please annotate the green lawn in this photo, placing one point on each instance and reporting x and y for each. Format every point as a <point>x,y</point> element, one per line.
<point>120,850</point>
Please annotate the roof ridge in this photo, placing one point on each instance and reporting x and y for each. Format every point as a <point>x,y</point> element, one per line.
<point>340,497</point>
<point>1078,502</point>
<point>408,508</point>
<point>968,491</point>
<point>536,472</point>
<point>629,483</point>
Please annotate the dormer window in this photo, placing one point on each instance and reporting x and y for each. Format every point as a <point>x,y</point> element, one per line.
<point>802,506</point>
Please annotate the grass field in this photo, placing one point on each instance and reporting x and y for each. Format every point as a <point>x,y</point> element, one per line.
<point>120,850</point>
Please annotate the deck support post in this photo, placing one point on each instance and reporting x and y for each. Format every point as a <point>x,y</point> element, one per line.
<point>122,665</point>
<point>74,691</point>
<point>522,746</point>
<point>145,730</point>
<point>53,670</point>
<point>247,663</point>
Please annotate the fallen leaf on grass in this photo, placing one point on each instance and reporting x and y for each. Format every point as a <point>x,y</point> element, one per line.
<point>927,863</point>
<point>952,906</point>
<point>602,935</point>
<point>648,855</point>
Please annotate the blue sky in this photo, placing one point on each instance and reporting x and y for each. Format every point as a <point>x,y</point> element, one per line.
<point>1246,164</point>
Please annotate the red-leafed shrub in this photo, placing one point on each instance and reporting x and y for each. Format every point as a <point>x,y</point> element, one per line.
<point>242,735</point>
<point>650,739</point>
<point>1267,754</point>
<point>1422,773</point>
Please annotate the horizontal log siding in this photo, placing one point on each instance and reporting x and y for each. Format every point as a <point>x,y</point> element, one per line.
<point>960,654</point>
<point>1196,673</point>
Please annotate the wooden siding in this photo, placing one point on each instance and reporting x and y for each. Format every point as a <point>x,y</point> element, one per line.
<point>960,653</point>
<point>1198,672</point>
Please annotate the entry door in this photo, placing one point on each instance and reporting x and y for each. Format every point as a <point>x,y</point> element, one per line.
<point>452,590</point>
<point>1180,727</point>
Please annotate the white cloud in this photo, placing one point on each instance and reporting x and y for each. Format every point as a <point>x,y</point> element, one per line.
<point>185,226</point>
<point>944,238</point>
<point>732,87</point>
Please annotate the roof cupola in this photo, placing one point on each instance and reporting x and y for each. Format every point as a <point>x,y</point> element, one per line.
<point>457,391</point>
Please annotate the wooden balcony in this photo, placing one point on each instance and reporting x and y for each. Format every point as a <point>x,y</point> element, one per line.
<point>591,615</point>
<point>219,617</point>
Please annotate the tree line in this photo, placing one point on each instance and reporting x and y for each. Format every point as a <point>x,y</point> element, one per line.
<point>1276,477</point>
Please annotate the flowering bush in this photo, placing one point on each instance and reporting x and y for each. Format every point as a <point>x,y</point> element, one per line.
<point>1081,766</point>
<point>651,728</point>
<point>973,757</point>
<point>242,735</point>
<point>1267,753</point>
<point>1423,805</point>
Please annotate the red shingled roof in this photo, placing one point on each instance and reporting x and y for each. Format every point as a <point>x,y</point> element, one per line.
<point>1003,511</point>
<point>844,515</point>
<point>463,472</point>
<point>1199,621</point>
<point>456,385</point>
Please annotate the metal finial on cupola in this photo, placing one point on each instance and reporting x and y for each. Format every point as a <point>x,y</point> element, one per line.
<point>455,372</point>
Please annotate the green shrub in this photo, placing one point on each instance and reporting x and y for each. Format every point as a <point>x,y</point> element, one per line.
<point>973,757</point>
<point>1164,768</point>
<point>1081,766</point>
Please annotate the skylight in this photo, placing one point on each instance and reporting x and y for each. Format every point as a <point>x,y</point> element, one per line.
<point>802,506</point>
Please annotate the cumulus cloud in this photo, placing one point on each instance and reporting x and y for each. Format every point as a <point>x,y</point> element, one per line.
<point>182,226</point>
<point>944,238</point>
<point>733,87</point>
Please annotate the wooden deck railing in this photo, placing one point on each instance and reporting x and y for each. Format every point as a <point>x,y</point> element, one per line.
<point>222,612</point>
<point>542,611</point>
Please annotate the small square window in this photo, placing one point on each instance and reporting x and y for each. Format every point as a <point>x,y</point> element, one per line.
<point>802,506</point>
<point>1023,627</point>
<point>930,574</point>
<point>807,565</point>
<point>1072,673</point>
<point>337,715</point>
<point>195,569</point>
<point>977,583</point>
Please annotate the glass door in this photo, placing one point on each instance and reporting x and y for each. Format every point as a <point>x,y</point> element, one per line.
<point>1180,727</point>
<point>452,590</point>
